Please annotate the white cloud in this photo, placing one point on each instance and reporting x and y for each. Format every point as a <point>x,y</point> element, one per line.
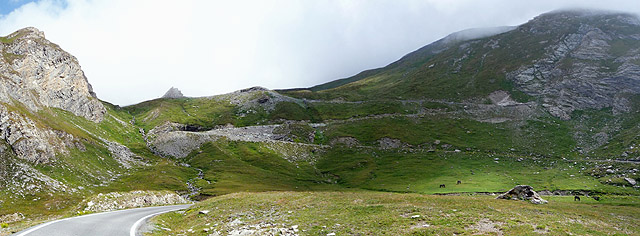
<point>135,50</point>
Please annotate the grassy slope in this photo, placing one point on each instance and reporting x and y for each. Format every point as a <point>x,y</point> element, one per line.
<point>534,137</point>
<point>203,112</point>
<point>479,172</point>
<point>375,213</point>
<point>232,166</point>
<point>464,70</point>
<point>473,68</point>
<point>93,169</point>
<point>206,113</point>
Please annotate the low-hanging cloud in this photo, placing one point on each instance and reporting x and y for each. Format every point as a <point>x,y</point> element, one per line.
<point>135,50</point>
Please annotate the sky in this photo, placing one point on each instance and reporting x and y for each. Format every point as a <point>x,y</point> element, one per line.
<point>135,50</point>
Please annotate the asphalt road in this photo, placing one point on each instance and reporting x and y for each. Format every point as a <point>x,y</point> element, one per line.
<point>123,222</point>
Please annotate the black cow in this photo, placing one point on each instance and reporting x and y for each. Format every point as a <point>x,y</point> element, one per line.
<point>442,186</point>
<point>459,182</point>
<point>576,198</point>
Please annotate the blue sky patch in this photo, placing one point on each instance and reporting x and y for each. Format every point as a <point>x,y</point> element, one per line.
<point>7,6</point>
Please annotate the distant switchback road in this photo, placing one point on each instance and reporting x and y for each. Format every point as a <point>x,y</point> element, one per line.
<point>123,222</point>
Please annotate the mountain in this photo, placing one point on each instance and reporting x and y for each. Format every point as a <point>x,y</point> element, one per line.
<point>58,140</point>
<point>37,73</point>
<point>551,103</point>
<point>173,93</point>
<point>565,61</point>
<point>426,51</point>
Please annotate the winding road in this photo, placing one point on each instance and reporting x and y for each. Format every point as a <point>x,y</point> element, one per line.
<point>122,222</point>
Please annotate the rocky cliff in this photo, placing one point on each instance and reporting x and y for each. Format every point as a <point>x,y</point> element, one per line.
<point>590,61</point>
<point>38,73</point>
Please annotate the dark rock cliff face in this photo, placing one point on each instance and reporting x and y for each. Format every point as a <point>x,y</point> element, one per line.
<point>591,60</point>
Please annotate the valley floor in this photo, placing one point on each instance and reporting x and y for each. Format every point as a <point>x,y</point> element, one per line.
<point>379,213</point>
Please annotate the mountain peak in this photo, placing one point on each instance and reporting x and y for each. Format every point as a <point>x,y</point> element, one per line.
<point>583,12</point>
<point>28,32</point>
<point>41,74</point>
<point>563,20</point>
<point>173,93</point>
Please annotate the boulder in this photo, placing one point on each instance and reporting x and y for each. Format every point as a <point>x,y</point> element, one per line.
<point>523,192</point>
<point>630,180</point>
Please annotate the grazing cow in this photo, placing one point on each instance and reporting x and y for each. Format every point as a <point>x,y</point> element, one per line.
<point>442,186</point>
<point>459,182</point>
<point>576,198</point>
<point>595,198</point>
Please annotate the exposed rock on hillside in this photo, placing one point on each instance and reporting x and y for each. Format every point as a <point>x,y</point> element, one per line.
<point>523,192</point>
<point>28,141</point>
<point>26,180</point>
<point>590,61</point>
<point>123,155</point>
<point>10,218</point>
<point>390,143</point>
<point>255,97</point>
<point>346,141</point>
<point>167,140</point>
<point>173,93</point>
<point>170,141</point>
<point>117,200</point>
<point>502,98</point>
<point>38,73</point>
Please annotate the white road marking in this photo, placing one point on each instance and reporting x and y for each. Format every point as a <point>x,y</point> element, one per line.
<point>131,232</point>
<point>134,228</point>
<point>56,221</point>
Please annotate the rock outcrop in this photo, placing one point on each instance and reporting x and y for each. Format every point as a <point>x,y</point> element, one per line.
<point>523,192</point>
<point>173,93</point>
<point>38,73</point>
<point>588,62</point>
<point>251,99</point>
<point>122,200</point>
<point>26,139</point>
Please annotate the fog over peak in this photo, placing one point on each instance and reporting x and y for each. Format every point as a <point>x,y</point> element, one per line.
<point>476,33</point>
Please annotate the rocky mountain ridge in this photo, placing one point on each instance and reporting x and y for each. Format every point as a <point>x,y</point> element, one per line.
<point>564,61</point>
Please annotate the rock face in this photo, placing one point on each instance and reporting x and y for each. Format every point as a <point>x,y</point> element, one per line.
<point>523,192</point>
<point>589,61</point>
<point>254,98</point>
<point>38,73</point>
<point>28,141</point>
<point>173,93</point>
<point>119,200</point>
